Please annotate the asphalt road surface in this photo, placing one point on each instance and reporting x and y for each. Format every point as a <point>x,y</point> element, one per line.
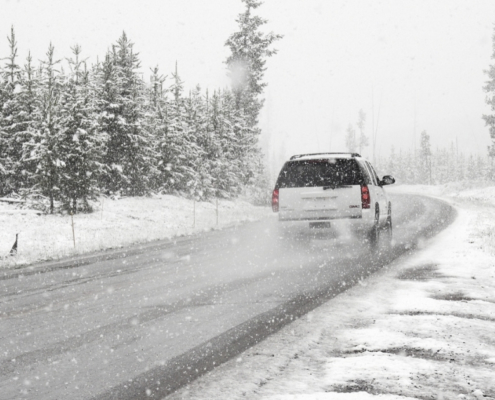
<point>142,322</point>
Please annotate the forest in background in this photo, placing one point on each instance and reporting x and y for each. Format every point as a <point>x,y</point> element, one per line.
<point>427,166</point>
<point>70,131</point>
<point>423,165</point>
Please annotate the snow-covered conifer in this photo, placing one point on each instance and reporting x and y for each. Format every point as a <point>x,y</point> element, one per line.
<point>425,158</point>
<point>249,50</point>
<point>42,149</point>
<point>180,154</point>
<point>350,139</point>
<point>11,120</point>
<point>129,148</point>
<point>81,142</point>
<point>363,139</point>
<point>489,88</point>
<point>225,167</point>
<point>246,64</point>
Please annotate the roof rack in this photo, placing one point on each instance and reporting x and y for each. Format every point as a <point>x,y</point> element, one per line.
<point>321,154</point>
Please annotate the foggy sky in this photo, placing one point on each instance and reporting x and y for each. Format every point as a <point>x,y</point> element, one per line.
<point>422,60</point>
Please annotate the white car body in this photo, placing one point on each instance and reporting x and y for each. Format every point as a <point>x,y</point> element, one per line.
<point>336,192</point>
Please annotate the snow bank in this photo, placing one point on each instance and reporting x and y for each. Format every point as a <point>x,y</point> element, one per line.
<point>474,192</point>
<point>115,223</point>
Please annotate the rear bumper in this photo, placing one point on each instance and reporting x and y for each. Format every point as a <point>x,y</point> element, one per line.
<point>314,219</point>
<point>363,221</point>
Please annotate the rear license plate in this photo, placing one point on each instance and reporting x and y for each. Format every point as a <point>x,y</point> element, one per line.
<point>319,225</point>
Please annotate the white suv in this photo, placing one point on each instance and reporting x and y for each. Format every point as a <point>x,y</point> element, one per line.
<point>324,187</point>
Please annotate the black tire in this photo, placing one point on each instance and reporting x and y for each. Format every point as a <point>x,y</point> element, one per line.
<point>388,226</point>
<point>374,233</point>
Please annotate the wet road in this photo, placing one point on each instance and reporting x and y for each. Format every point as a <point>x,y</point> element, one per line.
<point>145,323</point>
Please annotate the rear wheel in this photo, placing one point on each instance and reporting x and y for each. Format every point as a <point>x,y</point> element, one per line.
<point>374,233</point>
<point>388,231</point>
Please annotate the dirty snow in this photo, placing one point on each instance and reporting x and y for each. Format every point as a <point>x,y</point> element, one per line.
<point>421,328</point>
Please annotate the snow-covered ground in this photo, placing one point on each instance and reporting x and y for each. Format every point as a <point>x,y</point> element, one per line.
<point>115,223</point>
<point>421,328</point>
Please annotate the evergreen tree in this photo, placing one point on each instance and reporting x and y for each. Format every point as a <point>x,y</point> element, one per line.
<point>489,88</point>
<point>67,136</point>
<point>156,88</point>
<point>249,50</point>
<point>156,124</point>
<point>129,148</point>
<point>246,64</point>
<point>471,172</point>
<point>393,164</point>
<point>197,120</point>
<point>460,171</point>
<point>4,161</point>
<point>442,166</point>
<point>45,132</point>
<point>81,145</point>
<point>178,153</point>
<point>363,139</point>
<point>10,119</point>
<point>27,99</point>
<point>425,159</point>
<point>241,151</point>
<point>350,139</point>
<point>482,168</point>
<point>226,169</point>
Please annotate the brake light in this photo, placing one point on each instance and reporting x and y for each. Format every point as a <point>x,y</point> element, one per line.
<point>365,197</point>
<point>275,200</point>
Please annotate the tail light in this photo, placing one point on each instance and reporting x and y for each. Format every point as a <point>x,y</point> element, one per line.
<point>275,200</point>
<point>365,197</point>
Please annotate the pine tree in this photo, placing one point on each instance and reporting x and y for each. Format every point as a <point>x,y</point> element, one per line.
<point>28,101</point>
<point>45,132</point>
<point>363,139</point>
<point>393,163</point>
<point>225,169</point>
<point>350,139</point>
<point>471,172</point>
<point>181,152</point>
<point>425,159</point>
<point>10,119</point>
<point>460,172</point>
<point>129,149</point>
<point>81,145</point>
<point>4,161</point>
<point>197,120</point>
<point>156,124</point>
<point>482,168</point>
<point>489,88</point>
<point>246,64</point>
<point>249,50</point>
<point>240,151</point>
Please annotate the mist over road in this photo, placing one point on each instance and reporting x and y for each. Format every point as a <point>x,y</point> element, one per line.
<point>143,325</point>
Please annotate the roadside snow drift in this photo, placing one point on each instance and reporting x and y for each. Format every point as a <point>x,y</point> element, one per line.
<point>115,223</point>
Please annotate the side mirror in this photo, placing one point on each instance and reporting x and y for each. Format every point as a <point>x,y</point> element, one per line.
<point>387,180</point>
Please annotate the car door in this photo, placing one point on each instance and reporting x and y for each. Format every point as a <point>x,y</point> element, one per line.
<point>380,192</point>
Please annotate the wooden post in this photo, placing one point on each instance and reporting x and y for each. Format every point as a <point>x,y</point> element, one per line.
<point>217,210</point>
<point>73,234</point>
<point>194,213</point>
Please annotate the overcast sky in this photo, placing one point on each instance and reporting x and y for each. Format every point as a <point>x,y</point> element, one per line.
<point>418,64</point>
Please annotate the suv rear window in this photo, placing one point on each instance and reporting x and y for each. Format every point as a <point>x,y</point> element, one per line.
<point>313,173</point>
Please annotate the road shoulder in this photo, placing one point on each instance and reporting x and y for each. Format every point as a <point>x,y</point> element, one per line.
<point>420,328</point>
<point>116,227</point>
